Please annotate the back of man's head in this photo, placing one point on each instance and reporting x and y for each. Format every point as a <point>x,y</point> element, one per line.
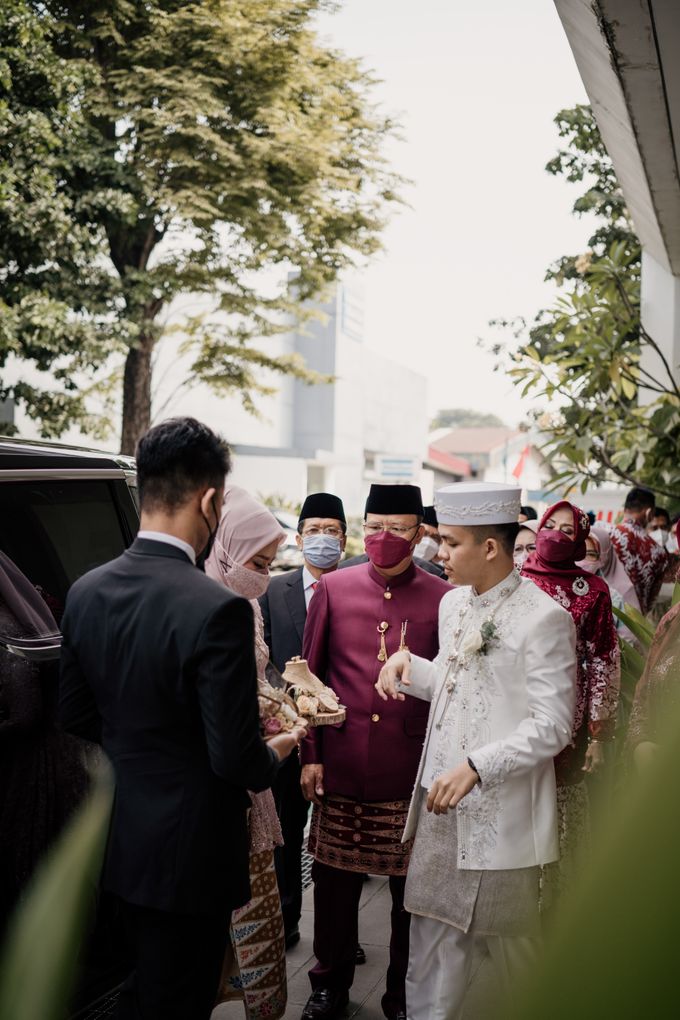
<point>639,499</point>
<point>176,459</point>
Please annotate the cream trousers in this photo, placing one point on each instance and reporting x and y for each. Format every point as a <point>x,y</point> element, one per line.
<point>440,963</point>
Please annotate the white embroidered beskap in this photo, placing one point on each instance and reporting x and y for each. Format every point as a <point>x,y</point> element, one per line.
<point>510,710</point>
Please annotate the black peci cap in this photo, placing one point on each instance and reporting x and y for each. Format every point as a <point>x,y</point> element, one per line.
<point>395,499</point>
<point>323,504</point>
<point>430,517</point>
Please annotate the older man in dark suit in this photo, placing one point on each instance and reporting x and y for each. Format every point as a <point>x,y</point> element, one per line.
<point>158,666</point>
<point>321,537</point>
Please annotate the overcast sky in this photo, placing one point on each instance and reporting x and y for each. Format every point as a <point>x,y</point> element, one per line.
<point>477,86</point>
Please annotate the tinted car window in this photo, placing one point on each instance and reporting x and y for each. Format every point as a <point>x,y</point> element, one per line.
<point>55,531</point>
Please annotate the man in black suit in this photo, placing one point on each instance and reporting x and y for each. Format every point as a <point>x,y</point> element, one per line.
<point>158,666</point>
<point>321,537</point>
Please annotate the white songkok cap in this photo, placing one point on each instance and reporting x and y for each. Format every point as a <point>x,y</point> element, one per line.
<point>476,504</point>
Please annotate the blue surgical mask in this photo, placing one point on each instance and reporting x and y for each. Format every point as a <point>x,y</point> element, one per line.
<point>322,551</point>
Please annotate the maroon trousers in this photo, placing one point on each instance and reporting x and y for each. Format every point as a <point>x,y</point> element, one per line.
<point>336,934</point>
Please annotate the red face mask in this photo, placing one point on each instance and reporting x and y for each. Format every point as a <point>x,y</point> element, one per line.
<point>386,550</point>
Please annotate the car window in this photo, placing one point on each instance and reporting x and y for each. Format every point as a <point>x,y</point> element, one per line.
<point>55,531</point>
<point>285,519</point>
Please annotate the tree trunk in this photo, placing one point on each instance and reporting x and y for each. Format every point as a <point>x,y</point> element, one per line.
<point>137,393</point>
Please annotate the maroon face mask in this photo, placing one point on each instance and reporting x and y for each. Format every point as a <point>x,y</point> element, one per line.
<point>386,550</point>
<point>555,548</point>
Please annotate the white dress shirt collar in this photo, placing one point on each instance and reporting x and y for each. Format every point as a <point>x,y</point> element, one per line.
<point>179,543</point>
<point>308,583</point>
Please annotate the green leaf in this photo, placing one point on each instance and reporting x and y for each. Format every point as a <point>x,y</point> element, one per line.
<point>629,388</point>
<point>52,916</point>
<point>636,623</point>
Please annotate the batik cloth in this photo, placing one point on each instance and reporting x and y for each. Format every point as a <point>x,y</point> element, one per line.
<point>255,969</point>
<point>658,690</point>
<point>643,560</point>
<point>354,836</point>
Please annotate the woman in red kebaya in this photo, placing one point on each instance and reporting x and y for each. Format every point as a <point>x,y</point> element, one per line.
<point>560,543</point>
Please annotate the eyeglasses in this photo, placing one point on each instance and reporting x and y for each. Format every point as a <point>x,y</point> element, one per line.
<point>330,531</point>
<point>394,529</point>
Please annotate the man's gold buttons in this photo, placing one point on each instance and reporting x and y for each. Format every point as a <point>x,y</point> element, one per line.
<point>375,717</point>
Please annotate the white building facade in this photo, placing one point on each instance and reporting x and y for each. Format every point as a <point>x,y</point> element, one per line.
<point>369,424</point>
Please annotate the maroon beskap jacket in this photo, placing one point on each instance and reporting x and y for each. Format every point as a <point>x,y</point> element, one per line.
<point>374,754</point>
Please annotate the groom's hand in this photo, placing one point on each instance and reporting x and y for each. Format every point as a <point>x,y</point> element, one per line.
<point>395,673</point>
<point>450,788</point>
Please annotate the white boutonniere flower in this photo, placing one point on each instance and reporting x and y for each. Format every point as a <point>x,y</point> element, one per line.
<point>478,642</point>
<point>473,643</point>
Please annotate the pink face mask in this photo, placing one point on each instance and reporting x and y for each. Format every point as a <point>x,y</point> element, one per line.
<point>386,550</point>
<point>249,584</point>
<point>592,566</point>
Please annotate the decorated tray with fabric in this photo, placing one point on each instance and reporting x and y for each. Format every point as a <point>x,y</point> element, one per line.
<point>315,702</point>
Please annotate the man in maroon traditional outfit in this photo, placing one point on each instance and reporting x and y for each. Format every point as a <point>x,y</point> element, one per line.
<point>643,559</point>
<point>360,775</point>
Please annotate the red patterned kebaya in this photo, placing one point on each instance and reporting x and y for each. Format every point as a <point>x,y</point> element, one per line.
<point>553,568</point>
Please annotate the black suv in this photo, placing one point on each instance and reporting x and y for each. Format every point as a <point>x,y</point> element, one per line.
<point>64,511</point>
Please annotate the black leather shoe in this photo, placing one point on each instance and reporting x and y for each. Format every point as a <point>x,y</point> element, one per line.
<point>360,956</point>
<point>325,1004</point>
<point>292,937</point>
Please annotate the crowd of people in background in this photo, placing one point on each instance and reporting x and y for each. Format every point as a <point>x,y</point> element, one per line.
<point>476,651</point>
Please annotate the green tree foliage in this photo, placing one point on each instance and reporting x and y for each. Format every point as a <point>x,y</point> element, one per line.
<point>48,253</point>
<point>213,150</point>
<point>611,415</point>
<point>464,417</point>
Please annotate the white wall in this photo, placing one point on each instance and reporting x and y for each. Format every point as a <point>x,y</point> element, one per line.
<point>271,476</point>
<point>660,312</point>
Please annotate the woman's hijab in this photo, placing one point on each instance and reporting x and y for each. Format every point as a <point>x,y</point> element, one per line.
<point>557,554</point>
<point>246,527</point>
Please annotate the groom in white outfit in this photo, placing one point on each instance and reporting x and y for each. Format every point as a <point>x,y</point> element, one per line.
<point>483,812</point>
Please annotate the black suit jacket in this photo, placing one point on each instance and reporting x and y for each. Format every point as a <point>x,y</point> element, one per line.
<point>430,568</point>
<point>158,666</point>
<point>284,613</point>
